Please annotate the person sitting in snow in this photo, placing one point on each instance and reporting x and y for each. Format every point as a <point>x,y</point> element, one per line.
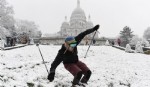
<point>69,55</point>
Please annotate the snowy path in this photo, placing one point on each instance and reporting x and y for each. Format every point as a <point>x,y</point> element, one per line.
<point>110,67</point>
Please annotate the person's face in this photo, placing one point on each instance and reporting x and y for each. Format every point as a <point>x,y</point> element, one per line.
<point>70,47</point>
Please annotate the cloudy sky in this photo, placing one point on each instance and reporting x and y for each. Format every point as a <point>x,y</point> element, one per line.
<point>112,15</point>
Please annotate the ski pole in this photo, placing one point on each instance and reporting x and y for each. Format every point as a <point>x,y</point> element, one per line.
<point>90,44</point>
<point>42,57</point>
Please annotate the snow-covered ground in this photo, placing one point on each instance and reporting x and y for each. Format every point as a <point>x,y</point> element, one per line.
<point>110,67</point>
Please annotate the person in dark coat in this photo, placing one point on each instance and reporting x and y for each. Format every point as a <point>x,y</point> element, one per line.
<point>112,42</point>
<point>11,41</point>
<point>119,41</point>
<point>94,41</point>
<point>68,54</point>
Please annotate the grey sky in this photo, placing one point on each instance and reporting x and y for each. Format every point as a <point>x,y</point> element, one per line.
<point>112,15</point>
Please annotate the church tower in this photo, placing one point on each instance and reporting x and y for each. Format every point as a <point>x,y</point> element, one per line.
<point>77,23</point>
<point>64,28</point>
<point>77,20</point>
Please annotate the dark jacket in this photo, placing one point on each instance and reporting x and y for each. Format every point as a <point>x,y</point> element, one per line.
<point>69,57</point>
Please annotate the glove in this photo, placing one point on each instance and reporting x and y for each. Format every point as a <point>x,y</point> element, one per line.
<point>96,27</point>
<point>51,76</point>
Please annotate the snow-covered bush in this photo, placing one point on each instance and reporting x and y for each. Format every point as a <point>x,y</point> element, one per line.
<point>31,41</point>
<point>145,43</point>
<point>107,43</point>
<point>138,48</point>
<point>134,40</point>
<point>128,49</point>
<point>147,33</point>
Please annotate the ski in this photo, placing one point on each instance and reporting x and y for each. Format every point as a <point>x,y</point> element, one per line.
<point>78,85</point>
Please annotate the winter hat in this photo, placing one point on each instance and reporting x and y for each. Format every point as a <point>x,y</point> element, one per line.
<point>71,41</point>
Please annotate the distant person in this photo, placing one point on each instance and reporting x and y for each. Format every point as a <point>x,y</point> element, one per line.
<point>14,41</point>
<point>11,41</point>
<point>94,41</point>
<point>68,54</point>
<point>8,42</point>
<point>112,42</point>
<point>86,42</point>
<point>119,41</point>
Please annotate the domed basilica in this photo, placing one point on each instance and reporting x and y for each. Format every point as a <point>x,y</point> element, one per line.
<point>77,24</point>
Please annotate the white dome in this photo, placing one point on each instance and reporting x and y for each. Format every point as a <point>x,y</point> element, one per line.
<point>79,14</point>
<point>89,23</point>
<point>65,25</point>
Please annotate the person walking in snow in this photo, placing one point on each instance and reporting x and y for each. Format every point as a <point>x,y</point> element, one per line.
<point>68,54</point>
<point>112,42</point>
<point>119,41</point>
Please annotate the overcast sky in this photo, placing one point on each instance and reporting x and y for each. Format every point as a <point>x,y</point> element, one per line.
<point>112,15</point>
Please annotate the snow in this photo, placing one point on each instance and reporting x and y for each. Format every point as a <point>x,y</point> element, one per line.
<point>110,67</point>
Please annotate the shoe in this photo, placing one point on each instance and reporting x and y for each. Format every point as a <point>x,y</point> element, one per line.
<point>80,84</point>
<point>77,78</point>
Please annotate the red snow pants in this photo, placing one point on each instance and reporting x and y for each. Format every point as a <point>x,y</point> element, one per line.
<point>74,68</point>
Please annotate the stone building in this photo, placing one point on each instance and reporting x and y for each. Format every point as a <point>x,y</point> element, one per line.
<point>78,23</point>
